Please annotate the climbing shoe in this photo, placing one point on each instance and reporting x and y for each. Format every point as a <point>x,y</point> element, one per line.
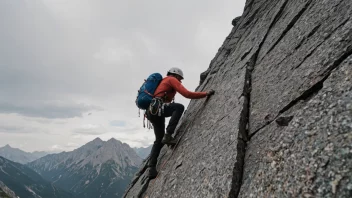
<point>152,172</point>
<point>168,139</point>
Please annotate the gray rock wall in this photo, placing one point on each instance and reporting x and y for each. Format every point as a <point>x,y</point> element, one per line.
<point>280,124</point>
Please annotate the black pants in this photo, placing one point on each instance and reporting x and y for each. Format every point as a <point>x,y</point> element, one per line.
<point>175,110</point>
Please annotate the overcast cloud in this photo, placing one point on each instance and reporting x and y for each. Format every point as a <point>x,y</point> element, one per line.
<point>70,69</point>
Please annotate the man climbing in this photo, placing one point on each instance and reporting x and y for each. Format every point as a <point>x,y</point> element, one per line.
<point>161,107</point>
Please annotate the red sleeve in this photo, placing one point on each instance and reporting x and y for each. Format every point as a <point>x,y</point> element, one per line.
<point>184,92</point>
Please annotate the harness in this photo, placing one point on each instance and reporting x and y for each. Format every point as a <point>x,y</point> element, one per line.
<point>157,104</point>
<point>156,108</point>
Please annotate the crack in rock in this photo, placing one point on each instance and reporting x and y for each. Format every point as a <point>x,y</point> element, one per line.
<point>310,34</point>
<point>319,85</point>
<point>232,61</point>
<point>290,25</point>
<point>244,118</point>
<point>283,121</point>
<point>326,38</point>
<point>309,93</point>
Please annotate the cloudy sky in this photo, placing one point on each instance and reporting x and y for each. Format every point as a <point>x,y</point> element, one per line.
<point>70,69</point>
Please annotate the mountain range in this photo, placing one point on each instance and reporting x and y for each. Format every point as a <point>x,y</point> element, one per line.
<point>97,169</point>
<point>24,182</point>
<point>17,155</point>
<point>143,152</point>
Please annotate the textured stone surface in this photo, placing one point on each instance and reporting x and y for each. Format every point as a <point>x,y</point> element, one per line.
<point>317,40</point>
<point>210,151</point>
<point>139,182</point>
<point>202,165</point>
<point>279,124</point>
<point>312,156</point>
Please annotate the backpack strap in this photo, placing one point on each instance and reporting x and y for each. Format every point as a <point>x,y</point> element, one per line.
<point>145,91</point>
<point>167,91</point>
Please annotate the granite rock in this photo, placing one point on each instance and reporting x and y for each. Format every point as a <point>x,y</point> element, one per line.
<point>280,123</point>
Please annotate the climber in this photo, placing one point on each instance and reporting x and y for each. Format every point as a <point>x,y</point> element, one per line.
<point>163,106</point>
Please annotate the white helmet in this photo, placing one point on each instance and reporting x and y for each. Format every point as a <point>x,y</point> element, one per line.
<point>175,70</point>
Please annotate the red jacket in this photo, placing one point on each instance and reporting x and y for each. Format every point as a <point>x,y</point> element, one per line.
<point>171,85</point>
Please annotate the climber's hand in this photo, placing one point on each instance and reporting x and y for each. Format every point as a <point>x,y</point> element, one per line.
<point>211,92</point>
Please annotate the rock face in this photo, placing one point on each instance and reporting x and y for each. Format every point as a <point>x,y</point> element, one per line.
<point>280,123</point>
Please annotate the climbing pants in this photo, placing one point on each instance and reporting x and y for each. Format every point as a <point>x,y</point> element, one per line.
<point>173,110</point>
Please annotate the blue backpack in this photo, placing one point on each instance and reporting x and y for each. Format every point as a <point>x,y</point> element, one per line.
<point>146,92</point>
